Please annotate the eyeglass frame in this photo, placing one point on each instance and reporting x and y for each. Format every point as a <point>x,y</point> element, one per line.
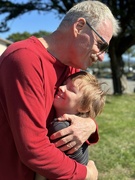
<point>103,40</point>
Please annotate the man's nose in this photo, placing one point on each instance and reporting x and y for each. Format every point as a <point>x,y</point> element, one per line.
<point>101,56</point>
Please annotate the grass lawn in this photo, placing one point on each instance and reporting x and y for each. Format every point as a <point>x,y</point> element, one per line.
<point>114,154</point>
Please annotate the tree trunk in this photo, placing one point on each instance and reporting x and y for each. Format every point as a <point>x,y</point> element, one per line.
<point>116,67</point>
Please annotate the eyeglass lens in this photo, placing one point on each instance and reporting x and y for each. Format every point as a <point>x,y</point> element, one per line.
<point>104,45</point>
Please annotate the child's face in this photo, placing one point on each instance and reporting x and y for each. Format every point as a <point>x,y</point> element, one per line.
<point>66,99</point>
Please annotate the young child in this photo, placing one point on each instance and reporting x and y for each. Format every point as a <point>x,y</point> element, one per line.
<point>82,95</point>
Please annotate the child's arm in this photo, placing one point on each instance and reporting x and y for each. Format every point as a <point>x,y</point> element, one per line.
<point>81,155</point>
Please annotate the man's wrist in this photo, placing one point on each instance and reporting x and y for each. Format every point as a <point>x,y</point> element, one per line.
<point>94,137</point>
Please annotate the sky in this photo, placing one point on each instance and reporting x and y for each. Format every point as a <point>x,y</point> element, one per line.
<point>32,22</point>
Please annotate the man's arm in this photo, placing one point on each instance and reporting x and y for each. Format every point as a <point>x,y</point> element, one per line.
<point>25,102</point>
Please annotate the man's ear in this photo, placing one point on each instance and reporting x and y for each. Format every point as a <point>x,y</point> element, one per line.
<point>79,25</point>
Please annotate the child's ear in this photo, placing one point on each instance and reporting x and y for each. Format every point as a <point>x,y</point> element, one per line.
<point>82,111</point>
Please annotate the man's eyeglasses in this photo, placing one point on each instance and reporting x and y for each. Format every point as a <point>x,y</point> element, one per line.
<point>104,46</point>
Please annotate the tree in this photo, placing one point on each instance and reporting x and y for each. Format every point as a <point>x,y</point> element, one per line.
<point>122,9</point>
<point>20,36</point>
<point>12,9</point>
<point>130,53</point>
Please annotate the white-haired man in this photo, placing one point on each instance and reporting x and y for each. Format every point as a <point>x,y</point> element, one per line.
<point>30,72</point>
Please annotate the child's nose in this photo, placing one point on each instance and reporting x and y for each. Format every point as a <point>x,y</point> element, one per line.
<point>62,88</point>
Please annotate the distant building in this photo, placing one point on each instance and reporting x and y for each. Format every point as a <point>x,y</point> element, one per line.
<point>4,44</point>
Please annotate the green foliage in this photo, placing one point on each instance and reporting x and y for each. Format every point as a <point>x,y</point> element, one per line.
<point>11,9</point>
<point>20,36</point>
<point>114,154</point>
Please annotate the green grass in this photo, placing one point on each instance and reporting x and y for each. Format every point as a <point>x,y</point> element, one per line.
<point>114,154</point>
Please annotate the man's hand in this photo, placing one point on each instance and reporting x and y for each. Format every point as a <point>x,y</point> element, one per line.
<point>75,135</point>
<point>92,172</point>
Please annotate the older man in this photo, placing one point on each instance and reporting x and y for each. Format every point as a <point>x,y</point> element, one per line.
<point>30,72</point>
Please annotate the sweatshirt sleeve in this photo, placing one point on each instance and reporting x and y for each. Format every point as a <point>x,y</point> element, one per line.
<point>94,137</point>
<point>82,154</point>
<point>26,112</point>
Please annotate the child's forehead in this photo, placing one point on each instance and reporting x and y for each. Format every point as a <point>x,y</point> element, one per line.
<point>78,81</point>
<point>72,79</point>
<point>69,80</point>
<point>75,81</point>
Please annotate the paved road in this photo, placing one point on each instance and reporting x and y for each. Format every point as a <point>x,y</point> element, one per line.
<point>130,86</point>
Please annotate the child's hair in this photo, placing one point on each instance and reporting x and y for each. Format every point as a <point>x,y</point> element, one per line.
<point>93,98</point>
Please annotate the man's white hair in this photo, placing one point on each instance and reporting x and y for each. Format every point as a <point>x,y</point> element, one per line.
<point>94,12</point>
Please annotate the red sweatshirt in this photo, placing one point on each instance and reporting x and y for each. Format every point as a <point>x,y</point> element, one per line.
<point>29,76</point>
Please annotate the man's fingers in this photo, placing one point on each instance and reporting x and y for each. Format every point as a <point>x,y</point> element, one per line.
<point>69,146</point>
<point>92,172</point>
<point>74,149</point>
<point>91,162</point>
<point>62,133</point>
<point>67,117</point>
<point>64,141</point>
